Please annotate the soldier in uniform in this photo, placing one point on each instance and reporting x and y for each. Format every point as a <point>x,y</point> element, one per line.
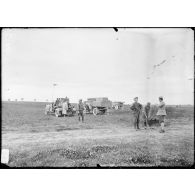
<point>81,110</point>
<point>161,113</point>
<point>136,108</point>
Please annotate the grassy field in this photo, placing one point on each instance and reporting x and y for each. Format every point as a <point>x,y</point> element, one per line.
<point>35,139</point>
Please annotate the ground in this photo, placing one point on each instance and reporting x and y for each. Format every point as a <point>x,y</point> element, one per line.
<point>38,140</point>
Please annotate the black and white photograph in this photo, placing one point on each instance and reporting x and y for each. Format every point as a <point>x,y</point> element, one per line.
<point>97,97</point>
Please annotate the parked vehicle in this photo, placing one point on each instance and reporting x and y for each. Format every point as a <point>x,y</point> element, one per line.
<point>97,106</point>
<point>61,107</point>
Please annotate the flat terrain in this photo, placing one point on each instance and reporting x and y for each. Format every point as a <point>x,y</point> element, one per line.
<point>36,139</point>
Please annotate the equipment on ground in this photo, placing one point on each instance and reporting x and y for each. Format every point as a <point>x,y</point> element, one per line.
<point>97,106</point>
<point>61,107</point>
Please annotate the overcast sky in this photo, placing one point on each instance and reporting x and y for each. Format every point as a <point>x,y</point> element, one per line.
<point>98,63</point>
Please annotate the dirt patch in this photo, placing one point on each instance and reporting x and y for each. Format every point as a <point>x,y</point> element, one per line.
<point>62,128</point>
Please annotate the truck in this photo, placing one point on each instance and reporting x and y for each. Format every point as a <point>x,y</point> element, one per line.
<point>57,109</point>
<point>97,106</point>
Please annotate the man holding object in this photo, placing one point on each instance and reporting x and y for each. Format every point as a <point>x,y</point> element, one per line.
<point>136,108</point>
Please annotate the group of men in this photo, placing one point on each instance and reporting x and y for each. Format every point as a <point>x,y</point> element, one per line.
<point>138,111</point>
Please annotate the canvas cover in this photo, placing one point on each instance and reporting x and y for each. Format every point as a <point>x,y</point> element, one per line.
<point>99,102</point>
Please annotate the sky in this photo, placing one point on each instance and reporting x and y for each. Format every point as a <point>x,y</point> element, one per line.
<point>98,62</point>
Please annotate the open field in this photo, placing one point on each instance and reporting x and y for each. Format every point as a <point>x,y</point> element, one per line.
<point>35,139</point>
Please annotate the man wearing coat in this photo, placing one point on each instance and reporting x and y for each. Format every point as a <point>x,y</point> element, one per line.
<point>65,107</point>
<point>161,113</point>
<point>81,110</point>
<point>136,108</point>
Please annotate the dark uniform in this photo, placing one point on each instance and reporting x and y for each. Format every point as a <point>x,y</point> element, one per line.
<point>136,108</point>
<point>81,109</point>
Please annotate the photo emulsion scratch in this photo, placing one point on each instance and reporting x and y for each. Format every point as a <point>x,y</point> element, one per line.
<point>97,97</point>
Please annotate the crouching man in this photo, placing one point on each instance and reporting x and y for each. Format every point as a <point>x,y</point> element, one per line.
<point>81,110</point>
<point>136,108</point>
<point>161,113</point>
<point>145,115</point>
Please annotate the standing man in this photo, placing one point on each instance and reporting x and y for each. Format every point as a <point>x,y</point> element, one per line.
<point>136,108</point>
<point>146,112</point>
<point>65,107</point>
<point>161,113</point>
<point>81,110</point>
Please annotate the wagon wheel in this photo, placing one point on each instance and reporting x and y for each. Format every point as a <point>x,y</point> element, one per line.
<point>104,111</point>
<point>95,111</point>
<point>116,107</point>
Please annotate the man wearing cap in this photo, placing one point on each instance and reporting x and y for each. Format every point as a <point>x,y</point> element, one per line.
<point>136,108</point>
<point>161,113</point>
<point>81,110</point>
